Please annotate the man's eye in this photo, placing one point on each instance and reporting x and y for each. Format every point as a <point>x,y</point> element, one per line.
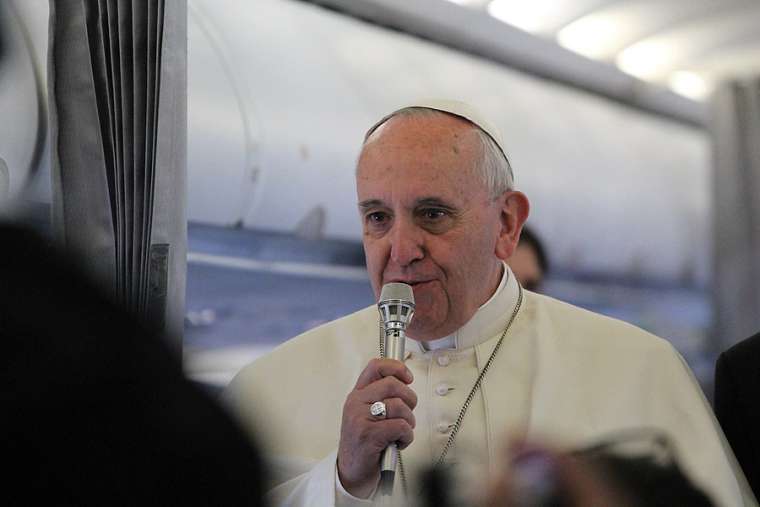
<point>433,214</point>
<point>377,217</point>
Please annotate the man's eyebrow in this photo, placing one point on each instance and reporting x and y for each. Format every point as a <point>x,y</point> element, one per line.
<point>434,201</point>
<point>423,201</point>
<point>370,203</point>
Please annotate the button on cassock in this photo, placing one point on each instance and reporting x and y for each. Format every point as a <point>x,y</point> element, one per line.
<point>442,389</point>
<point>443,427</point>
<point>443,360</point>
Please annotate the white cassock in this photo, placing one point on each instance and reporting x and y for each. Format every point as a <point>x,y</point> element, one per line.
<point>563,375</point>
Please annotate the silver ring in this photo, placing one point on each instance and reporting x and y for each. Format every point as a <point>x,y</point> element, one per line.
<point>377,409</point>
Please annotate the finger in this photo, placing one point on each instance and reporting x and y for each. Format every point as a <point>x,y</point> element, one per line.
<point>378,368</point>
<point>396,408</point>
<point>406,435</point>
<point>392,431</point>
<point>388,387</point>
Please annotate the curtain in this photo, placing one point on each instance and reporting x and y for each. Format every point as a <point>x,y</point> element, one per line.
<point>5,182</point>
<point>117,87</point>
<point>736,200</point>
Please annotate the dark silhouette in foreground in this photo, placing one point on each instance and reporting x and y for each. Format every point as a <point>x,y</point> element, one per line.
<point>96,410</point>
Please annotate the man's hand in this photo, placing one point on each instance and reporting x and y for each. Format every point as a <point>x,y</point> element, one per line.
<point>535,475</point>
<point>363,437</point>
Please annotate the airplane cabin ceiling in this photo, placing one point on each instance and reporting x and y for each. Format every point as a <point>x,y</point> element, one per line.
<point>687,45</point>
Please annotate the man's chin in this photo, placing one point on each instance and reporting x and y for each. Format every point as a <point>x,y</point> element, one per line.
<point>422,331</point>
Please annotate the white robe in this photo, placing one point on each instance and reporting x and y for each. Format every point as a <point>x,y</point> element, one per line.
<point>563,375</point>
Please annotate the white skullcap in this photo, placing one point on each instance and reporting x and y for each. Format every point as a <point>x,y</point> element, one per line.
<point>455,107</point>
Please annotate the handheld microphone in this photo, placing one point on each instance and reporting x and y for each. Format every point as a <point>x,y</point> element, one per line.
<point>396,307</point>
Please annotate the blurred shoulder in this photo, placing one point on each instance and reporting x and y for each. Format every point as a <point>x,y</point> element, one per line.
<point>743,355</point>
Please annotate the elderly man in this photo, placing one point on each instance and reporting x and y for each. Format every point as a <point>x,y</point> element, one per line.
<point>485,357</point>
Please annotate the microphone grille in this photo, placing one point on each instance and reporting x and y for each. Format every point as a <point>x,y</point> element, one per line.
<point>397,292</point>
<point>396,305</point>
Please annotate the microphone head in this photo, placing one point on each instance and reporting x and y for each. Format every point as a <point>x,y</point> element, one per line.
<point>396,305</point>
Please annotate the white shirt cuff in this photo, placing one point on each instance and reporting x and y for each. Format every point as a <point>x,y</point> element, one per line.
<point>345,499</point>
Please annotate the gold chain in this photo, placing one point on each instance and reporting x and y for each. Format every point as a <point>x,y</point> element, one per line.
<point>470,397</point>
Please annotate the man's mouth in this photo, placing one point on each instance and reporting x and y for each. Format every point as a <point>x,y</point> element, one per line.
<point>413,283</point>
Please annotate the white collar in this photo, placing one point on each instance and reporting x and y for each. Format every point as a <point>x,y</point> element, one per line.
<point>488,320</point>
<point>447,342</point>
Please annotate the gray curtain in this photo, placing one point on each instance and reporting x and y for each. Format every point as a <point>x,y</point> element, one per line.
<point>5,182</point>
<point>736,200</point>
<point>117,86</point>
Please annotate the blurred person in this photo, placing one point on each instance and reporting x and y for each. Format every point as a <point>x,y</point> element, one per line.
<point>529,263</point>
<point>541,478</point>
<point>603,474</point>
<point>528,476</point>
<point>96,410</point>
<point>737,404</point>
<point>440,212</point>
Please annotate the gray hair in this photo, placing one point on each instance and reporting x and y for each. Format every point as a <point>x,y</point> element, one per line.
<point>495,169</point>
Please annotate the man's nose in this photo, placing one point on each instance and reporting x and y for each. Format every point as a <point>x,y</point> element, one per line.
<point>406,243</point>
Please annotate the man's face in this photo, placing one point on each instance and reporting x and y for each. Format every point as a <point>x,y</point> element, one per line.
<point>428,219</point>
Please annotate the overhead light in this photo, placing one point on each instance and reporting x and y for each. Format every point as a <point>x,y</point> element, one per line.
<point>592,36</point>
<point>647,60</point>
<point>689,84</point>
<point>466,3</point>
<point>529,16</point>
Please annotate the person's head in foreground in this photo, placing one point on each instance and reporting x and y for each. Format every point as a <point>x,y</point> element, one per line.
<point>439,212</point>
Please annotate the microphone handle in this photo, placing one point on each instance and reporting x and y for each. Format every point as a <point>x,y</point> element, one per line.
<point>395,341</point>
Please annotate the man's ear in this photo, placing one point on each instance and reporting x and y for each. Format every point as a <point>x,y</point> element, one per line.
<point>514,212</point>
